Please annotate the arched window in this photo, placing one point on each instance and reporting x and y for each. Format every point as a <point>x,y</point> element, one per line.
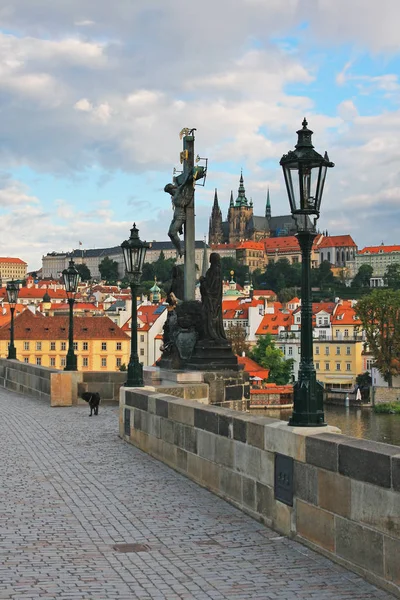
<point>329,256</point>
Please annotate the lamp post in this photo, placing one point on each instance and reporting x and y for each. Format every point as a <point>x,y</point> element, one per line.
<point>304,171</point>
<point>12,297</point>
<point>71,279</point>
<point>134,251</point>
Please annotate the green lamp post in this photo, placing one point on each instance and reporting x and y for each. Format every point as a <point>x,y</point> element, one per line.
<point>71,279</point>
<point>305,171</point>
<point>134,251</point>
<point>12,297</point>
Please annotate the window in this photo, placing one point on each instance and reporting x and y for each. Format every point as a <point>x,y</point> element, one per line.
<point>338,367</point>
<point>26,345</point>
<point>85,361</point>
<point>316,349</point>
<point>85,346</point>
<point>26,359</point>
<point>299,350</point>
<point>142,338</point>
<point>370,362</point>
<point>338,333</point>
<point>52,361</point>
<point>326,366</point>
<point>141,351</point>
<point>119,345</point>
<point>348,366</point>
<point>38,346</point>
<point>63,360</point>
<point>346,333</point>
<point>104,345</point>
<point>103,362</point>
<point>75,345</point>
<point>317,366</point>
<point>348,350</point>
<point>322,334</point>
<point>38,360</point>
<point>327,350</point>
<point>63,345</point>
<point>337,349</point>
<point>326,320</point>
<point>118,362</point>
<point>290,350</point>
<point>52,345</point>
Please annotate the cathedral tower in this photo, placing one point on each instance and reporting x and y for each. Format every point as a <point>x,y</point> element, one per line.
<point>239,214</point>
<point>268,207</point>
<point>215,233</point>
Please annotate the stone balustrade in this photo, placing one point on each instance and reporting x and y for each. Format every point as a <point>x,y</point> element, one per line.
<point>336,494</point>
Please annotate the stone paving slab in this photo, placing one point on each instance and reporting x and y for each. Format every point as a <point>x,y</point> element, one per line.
<point>71,490</point>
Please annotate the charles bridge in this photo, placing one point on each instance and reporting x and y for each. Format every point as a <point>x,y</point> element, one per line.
<point>250,508</point>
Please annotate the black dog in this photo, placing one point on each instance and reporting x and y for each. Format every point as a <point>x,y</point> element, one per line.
<point>93,398</point>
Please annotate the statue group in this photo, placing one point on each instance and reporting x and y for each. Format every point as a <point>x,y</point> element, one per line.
<point>194,336</point>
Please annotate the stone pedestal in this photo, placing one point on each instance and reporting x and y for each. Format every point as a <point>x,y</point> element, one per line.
<point>229,388</point>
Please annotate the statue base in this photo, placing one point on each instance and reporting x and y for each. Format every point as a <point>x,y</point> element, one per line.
<point>207,355</point>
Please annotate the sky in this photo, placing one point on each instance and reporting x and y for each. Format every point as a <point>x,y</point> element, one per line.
<point>93,95</point>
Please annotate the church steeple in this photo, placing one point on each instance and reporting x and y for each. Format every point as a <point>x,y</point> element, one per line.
<point>215,233</point>
<point>231,205</point>
<point>268,207</point>
<point>241,200</point>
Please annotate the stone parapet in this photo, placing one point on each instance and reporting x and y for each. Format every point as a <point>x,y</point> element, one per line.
<point>338,495</point>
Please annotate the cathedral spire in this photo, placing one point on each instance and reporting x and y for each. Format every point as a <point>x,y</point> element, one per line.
<point>215,205</point>
<point>268,207</point>
<point>231,201</point>
<point>241,200</point>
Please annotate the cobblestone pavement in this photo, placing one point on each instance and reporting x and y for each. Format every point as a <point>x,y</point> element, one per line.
<point>71,490</point>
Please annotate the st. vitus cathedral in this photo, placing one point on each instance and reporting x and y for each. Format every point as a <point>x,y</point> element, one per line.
<point>242,224</point>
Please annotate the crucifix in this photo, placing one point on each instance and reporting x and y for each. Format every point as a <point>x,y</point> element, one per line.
<point>182,196</point>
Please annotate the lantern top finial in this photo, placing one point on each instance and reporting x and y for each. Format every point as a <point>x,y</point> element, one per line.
<point>304,136</point>
<point>304,123</point>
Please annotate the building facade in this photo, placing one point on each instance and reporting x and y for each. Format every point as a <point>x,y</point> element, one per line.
<point>12,268</point>
<point>379,258</point>
<point>100,345</point>
<point>241,223</point>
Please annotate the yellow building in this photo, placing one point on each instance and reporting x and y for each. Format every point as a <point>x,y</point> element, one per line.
<point>338,362</point>
<point>287,247</point>
<point>339,359</point>
<point>251,254</point>
<point>12,268</point>
<point>100,345</point>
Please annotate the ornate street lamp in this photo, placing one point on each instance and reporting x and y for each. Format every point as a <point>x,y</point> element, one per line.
<point>305,171</point>
<point>71,279</point>
<point>12,297</point>
<point>134,251</point>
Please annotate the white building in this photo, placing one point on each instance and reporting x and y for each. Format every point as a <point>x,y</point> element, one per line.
<point>379,258</point>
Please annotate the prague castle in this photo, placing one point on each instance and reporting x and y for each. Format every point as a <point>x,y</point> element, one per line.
<point>242,224</point>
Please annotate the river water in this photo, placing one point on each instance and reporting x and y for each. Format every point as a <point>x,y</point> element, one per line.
<point>356,422</point>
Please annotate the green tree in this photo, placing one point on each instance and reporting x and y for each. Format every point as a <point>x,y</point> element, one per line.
<point>364,379</point>
<point>241,272</point>
<point>268,356</point>
<point>322,276</point>
<point>392,276</point>
<point>236,334</point>
<point>163,267</point>
<point>108,269</point>
<point>379,313</point>
<point>83,271</point>
<point>363,276</point>
<point>286,294</point>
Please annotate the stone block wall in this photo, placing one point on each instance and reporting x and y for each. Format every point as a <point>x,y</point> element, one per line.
<point>339,495</point>
<point>382,394</point>
<point>107,383</point>
<point>23,378</point>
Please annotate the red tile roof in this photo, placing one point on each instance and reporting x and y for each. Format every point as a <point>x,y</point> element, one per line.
<point>253,368</point>
<point>7,259</point>
<point>251,245</point>
<point>345,314</point>
<point>379,249</point>
<point>335,241</point>
<point>29,326</point>
<point>271,322</point>
<point>217,247</point>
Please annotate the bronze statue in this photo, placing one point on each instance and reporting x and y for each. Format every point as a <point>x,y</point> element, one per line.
<point>211,297</point>
<point>181,196</point>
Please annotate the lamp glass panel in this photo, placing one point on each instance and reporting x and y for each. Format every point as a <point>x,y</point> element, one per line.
<point>12,292</point>
<point>320,185</point>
